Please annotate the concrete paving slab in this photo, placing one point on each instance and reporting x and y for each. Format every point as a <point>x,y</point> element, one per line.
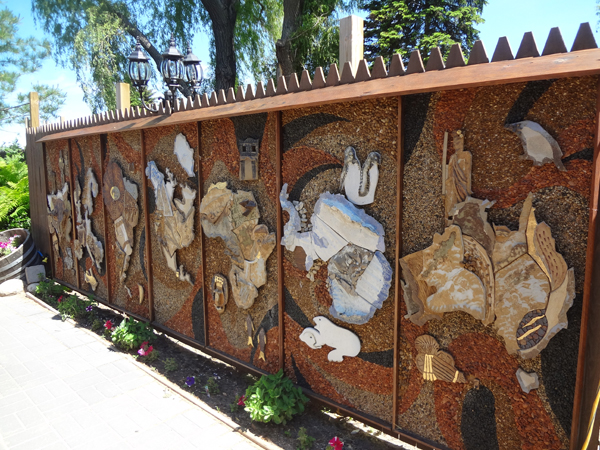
<point>62,387</point>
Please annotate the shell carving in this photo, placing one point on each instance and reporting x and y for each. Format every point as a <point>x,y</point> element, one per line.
<point>434,363</point>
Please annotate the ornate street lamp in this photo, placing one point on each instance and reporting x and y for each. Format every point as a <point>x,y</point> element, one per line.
<point>193,70</point>
<point>174,68</point>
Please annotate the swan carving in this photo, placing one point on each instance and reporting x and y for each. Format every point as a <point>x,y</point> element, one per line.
<point>359,183</point>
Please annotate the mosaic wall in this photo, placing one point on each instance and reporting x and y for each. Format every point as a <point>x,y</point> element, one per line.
<point>247,327</point>
<point>314,145</point>
<point>123,161</point>
<point>86,155</point>
<point>491,410</point>
<point>60,209</point>
<point>492,249</point>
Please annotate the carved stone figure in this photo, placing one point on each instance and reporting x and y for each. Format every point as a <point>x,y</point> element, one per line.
<point>515,280</point>
<point>220,292</point>
<point>359,184</point>
<point>434,363</point>
<point>121,197</point>
<point>59,214</point>
<point>59,219</point>
<point>527,381</point>
<point>185,154</point>
<point>248,159</point>
<point>538,145</point>
<point>458,181</point>
<point>325,332</point>
<point>262,342</point>
<point>352,241</point>
<point>90,279</point>
<point>174,218</point>
<point>234,218</point>
<point>249,330</point>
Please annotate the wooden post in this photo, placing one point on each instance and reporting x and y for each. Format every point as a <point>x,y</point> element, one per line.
<point>73,216</point>
<point>588,363</point>
<point>397,287</point>
<point>148,249</point>
<point>351,41</point>
<point>34,110</point>
<point>279,231</point>
<point>103,159</point>
<point>123,101</point>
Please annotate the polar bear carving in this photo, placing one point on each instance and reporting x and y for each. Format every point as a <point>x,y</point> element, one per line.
<point>325,332</point>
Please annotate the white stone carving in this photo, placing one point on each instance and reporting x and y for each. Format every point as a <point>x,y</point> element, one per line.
<point>538,145</point>
<point>325,332</point>
<point>528,381</point>
<point>185,154</point>
<point>359,275</point>
<point>359,183</point>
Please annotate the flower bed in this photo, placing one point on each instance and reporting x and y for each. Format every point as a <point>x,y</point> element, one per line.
<point>215,383</point>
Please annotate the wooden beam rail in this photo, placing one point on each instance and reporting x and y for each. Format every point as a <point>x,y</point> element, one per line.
<point>575,64</point>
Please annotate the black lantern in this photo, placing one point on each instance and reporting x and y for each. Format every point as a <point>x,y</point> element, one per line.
<point>171,66</point>
<point>139,68</point>
<point>174,69</point>
<point>193,69</point>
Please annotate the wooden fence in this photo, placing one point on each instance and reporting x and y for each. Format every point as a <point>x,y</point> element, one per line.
<point>303,128</point>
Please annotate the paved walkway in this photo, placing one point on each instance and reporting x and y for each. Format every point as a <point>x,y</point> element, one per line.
<point>63,388</point>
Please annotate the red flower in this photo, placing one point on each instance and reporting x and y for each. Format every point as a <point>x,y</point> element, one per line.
<point>60,299</point>
<point>108,325</point>
<point>336,444</point>
<point>242,401</point>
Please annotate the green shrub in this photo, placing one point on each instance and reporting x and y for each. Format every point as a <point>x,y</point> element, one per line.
<point>171,365</point>
<point>211,386</point>
<point>72,307</point>
<point>49,291</point>
<point>305,441</point>
<point>130,334</point>
<point>275,398</point>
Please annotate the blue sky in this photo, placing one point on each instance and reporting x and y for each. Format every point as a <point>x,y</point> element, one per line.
<point>511,18</point>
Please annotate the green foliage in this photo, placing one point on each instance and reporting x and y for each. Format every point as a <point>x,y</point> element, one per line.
<point>97,324</point>
<point>49,291</point>
<point>14,190</point>
<point>211,386</point>
<point>304,440</point>
<point>131,333</point>
<point>315,43</point>
<point>72,307</point>
<point>171,365</point>
<point>153,356</point>
<point>274,398</point>
<point>400,26</point>
<point>19,56</point>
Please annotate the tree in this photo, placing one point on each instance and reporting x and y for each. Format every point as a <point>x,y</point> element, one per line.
<point>400,26</point>
<point>310,34</point>
<point>17,57</point>
<point>94,36</point>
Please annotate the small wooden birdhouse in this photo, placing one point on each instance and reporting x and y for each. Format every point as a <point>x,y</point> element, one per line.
<point>248,159</point>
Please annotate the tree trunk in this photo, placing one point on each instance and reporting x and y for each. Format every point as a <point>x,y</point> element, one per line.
<point>223,15</point>
<point>292,19</point>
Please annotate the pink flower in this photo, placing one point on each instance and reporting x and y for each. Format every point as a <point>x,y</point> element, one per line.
<point>108,325</point>
<point>336,444</point>
<point>145,349</point>
<point>242,401</point>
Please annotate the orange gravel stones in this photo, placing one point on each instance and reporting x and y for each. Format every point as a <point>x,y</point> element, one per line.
<point>219,144</point>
